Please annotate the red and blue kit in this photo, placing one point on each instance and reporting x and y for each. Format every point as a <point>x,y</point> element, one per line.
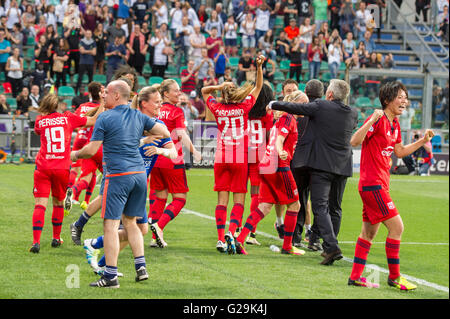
<point>376,151</point>
<point>277,182</point>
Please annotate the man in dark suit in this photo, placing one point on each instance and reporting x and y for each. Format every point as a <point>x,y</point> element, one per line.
<point>329,159</point>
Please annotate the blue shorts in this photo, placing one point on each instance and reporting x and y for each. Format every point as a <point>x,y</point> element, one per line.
<point>125,193</point>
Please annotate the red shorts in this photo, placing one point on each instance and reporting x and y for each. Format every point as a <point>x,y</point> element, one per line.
<point>377,204</point>
<point>253,174</point>
<point>172,179</point>
<point>54,180</point>
<point>78,144</point>
<point>230,177</point>
<point>278,188</point>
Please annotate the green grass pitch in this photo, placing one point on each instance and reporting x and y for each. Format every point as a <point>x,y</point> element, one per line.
<point>191,268</point>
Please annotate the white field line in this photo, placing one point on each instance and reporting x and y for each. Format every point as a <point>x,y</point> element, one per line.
<point>370,266</point>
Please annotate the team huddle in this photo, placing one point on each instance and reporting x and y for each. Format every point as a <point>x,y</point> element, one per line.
<point>136,141</point>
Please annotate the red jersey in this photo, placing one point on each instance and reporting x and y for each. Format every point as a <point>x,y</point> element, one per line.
<point>56,130</point>
<point>173,118</point>
<point>258,131</point>
<point>84,134</point>
<point>285,126</point>
<point>376,151</point>
<point>232,123</point>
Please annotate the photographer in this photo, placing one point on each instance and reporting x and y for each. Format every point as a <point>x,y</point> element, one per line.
<point>422,158</point>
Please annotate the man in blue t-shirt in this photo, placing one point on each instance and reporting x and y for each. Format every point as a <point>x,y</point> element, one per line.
<point>116,53</point>
<point>88,51</point>
<point>119,130</point>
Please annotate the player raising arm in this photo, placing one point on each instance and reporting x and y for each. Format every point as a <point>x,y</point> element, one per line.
<point>380,136</point>
<point>231,158</point>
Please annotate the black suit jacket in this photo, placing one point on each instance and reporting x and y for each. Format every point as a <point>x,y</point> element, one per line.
<point>329,130</point>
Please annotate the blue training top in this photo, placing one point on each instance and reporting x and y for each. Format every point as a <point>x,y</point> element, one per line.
<point>121,129</point>
<point>149,161</point>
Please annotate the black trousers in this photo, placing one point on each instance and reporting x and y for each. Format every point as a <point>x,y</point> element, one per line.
<point>327,191</point>
<point>301,177</point>
<point>84,68</point>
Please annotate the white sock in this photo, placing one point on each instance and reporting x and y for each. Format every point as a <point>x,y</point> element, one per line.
<point>280,220</point>
<point>307,227</point>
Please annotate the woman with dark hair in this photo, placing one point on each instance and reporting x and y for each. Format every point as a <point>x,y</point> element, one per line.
<point>62,55</point>
<point>100,39</point>
<point>129,72</point>
<point>137,49</point>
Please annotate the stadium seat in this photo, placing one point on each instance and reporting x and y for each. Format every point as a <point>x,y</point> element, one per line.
<point>31,42</point>
<point>12,102</point>
<point>68,102</point>
<point>183,68</point>
<point>155,80</point>
<point>301,87</point>
<point>178,80</point>
<point>279,87</point>
<point>377,103</point>
<point>326,77</point>
<point>363,101</point>
<point>324,66</point>
<point>147,69</point>
<point>279,76</point>
<point>285,65</point>
<point>85,79</point>
<point>101,78</point>
<point>66,91</point>
<point>142,81</point>
<point>233,62</point>
<point>2,77</point>
<point>171,70</point>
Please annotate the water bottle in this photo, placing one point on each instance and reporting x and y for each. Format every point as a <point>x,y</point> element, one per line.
<point>274,248</point>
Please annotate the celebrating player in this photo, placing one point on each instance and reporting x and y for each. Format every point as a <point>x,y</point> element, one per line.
<point>53,164</point>
<point>277,183</point>
<point>169,176</point>
<point>231,158</point>
<point>380,137</point>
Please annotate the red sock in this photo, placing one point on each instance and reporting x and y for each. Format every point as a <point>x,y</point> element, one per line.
<point>254,205</point>
<point>38,223</point>
<point>359,262</point>
<point>236,217</point>
<point>392,253</point>
<point>152,199</point>
<point>79,187</point>
<point>221,220</point>
<point>290,221</point>
<point>157,210</point>
<point>57,220</point>
<point>252,220</point>
<point>171,211</point>
<point>90,189</point>
<point>72,177</point>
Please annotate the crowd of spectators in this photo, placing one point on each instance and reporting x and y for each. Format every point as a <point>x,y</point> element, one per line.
<point>74,38</point>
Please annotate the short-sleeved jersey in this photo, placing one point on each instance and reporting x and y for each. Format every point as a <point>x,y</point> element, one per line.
<point>376,151</point>
<point>232,123</point>
<point>173,117</point>
<point>259,129</point>
<point>121,129</point>
<point>85,133</point>
<point>285,126</point>
<point>149,161</point>
<point>55,132</point>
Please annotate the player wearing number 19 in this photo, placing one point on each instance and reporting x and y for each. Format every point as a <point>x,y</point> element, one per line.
<point>231,159</point>
<point>53,164</point>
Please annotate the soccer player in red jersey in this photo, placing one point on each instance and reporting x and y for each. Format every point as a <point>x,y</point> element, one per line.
<point>231,158</point>
<point>380,137</point>
<point>277,182</point>
<point>53,164</point>
<point>260,123</point>
<point>169,176</point>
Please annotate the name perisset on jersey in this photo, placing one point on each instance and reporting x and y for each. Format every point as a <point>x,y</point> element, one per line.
<point>50,122</point>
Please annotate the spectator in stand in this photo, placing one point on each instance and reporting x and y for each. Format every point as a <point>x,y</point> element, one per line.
<point>89,19</point>
<point>335,57</point>
<point>265,44</point>
<point>297,51</point>
<point>245,65</point>
<point>198,103</point>
<point>159,59</point>
<point>248,30</point>
<point>282,45</point>
<point>369,42</point>
<point>176,15</point>
<point>116,54</point>
<point>442,20</point>
<point>35,97</point>
<point>307,31</point>
<point>362,17</point>
<point>100,39</point>
<point>290,11</point>
<point>88,50</point>
<point>182,42</point>
<point>140,11</point>
<point>39,76</point>
<point>137,49</point>
<point>116,31</point>
<point>292,30</point>
<point>220,60</point>
<point>16,38</point>
<point>13,13</point>
<point>305,10</point>
<point>192,14</point>
<point>268,75</point>
<point>202,16</point>
<point>42,53</point>
<point>213,43</point>
<point>203,66</point>
<point>348,46</point>
<point>422,6</point>
<point>14,69</point>
<point>324,44</point>
<point>4,106</point>
<point>61,55</point>
<point>324,28</point>
<point>23,102</point>
<point>347,17</point>
<point>254,4</point>
<point>335,7</point>
<point>210,78</point>
<point>372,82</point>
<point>198,43</point>
<point>214,21</point>
<point>189,77</point>
<point>388,62</point>
<point>320,13</point>
<point>362,53</point>
<point>5,49</point>
<point>422,158</point>
<point>315,56</point>
<point>73,37</point>
<point>190,112</point>
<point>228,76</point>
<point>230,35</point>
<point>28,20</point>
<point>406,119</point>
<point>262,21</point>
<point>220,13</point>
